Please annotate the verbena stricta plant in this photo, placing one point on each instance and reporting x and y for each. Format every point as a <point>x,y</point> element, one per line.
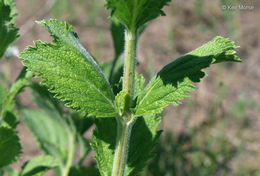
<point>126,112</point>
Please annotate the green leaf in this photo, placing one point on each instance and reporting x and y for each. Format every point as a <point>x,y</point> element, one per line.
<point>113,70</point>
<point>21,81</point>
<point>118,36</point>
<point>174,81</point>
<point>44,100</point>
<point>9,171</point>
<point>103,142</point>
<point>122,101</point>
<point>13,13</point>
<point>80,121</point>
<point>82,171</point>
<point>103,139</point>
<point>69,70</point>
<point>135,13</point>
<point>84,148</point>
<point>143,139</point>
<point>8,31</point>
<point>139,84</point>
<point>10,120</point>
<point>39,164</point>
<point>10,147</point>
<point>51,133</point>
<point>3,94</point>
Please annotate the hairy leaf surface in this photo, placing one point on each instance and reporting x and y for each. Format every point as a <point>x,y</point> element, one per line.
<point>39,164</point>
<point>174,81</point>
<point>8,31</point>
<point>69,70</point>
<point>139,84</point>
<point>135,13</point>
<point>10,147</point>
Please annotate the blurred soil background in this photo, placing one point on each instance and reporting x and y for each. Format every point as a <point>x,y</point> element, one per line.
<point>217,130</point>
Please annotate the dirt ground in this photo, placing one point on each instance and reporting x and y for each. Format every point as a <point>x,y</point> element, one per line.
<point>187,26</point>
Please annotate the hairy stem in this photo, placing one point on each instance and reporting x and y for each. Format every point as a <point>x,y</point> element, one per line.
<point>125,123</point>
<point>121,153</point>
<point>130,62</point>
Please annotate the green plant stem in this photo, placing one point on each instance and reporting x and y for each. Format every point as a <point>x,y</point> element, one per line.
<point>130,62</point>
<point>16,87</point>
<point>121,152</point>
<point>125,123</point>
